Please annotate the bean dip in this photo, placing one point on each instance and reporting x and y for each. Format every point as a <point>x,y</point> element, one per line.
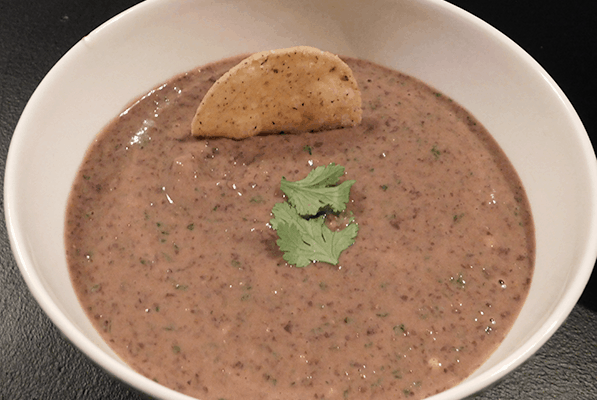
<point>171,253</point>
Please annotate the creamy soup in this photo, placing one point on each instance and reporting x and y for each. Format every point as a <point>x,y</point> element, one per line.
<point>172,256</point>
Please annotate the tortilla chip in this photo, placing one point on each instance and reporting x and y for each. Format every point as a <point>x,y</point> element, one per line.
<point>298,89</point>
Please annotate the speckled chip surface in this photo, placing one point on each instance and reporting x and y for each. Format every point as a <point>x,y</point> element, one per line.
<point>298,89</point>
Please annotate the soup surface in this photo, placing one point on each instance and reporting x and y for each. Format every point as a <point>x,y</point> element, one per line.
<point>171,253</point>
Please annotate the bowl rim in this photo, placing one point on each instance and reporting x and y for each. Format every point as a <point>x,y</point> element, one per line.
<point>18,240</point>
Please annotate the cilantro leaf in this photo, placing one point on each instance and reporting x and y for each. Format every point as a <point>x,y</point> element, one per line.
<point>303,235</point>
<point>311,194</point>
<point>283,212</point>
<point>306,240</point>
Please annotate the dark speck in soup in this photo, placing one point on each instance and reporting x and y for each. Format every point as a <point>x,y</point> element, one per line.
<point>172,257</point>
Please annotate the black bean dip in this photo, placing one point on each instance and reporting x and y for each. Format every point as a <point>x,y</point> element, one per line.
<point>171,253</point>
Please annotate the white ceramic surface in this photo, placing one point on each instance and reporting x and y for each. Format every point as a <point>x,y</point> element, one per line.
<point>429,39</point>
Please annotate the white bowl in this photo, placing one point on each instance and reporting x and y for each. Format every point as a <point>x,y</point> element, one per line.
<point>432,40</point>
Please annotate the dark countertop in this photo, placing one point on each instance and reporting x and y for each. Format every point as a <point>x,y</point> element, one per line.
<point>36,362</point>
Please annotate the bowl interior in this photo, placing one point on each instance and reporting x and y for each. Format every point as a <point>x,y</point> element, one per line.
<point>432,40</point>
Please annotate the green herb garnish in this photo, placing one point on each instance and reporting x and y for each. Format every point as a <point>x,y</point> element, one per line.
<point>316,191</point>
<point>303,235</point>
